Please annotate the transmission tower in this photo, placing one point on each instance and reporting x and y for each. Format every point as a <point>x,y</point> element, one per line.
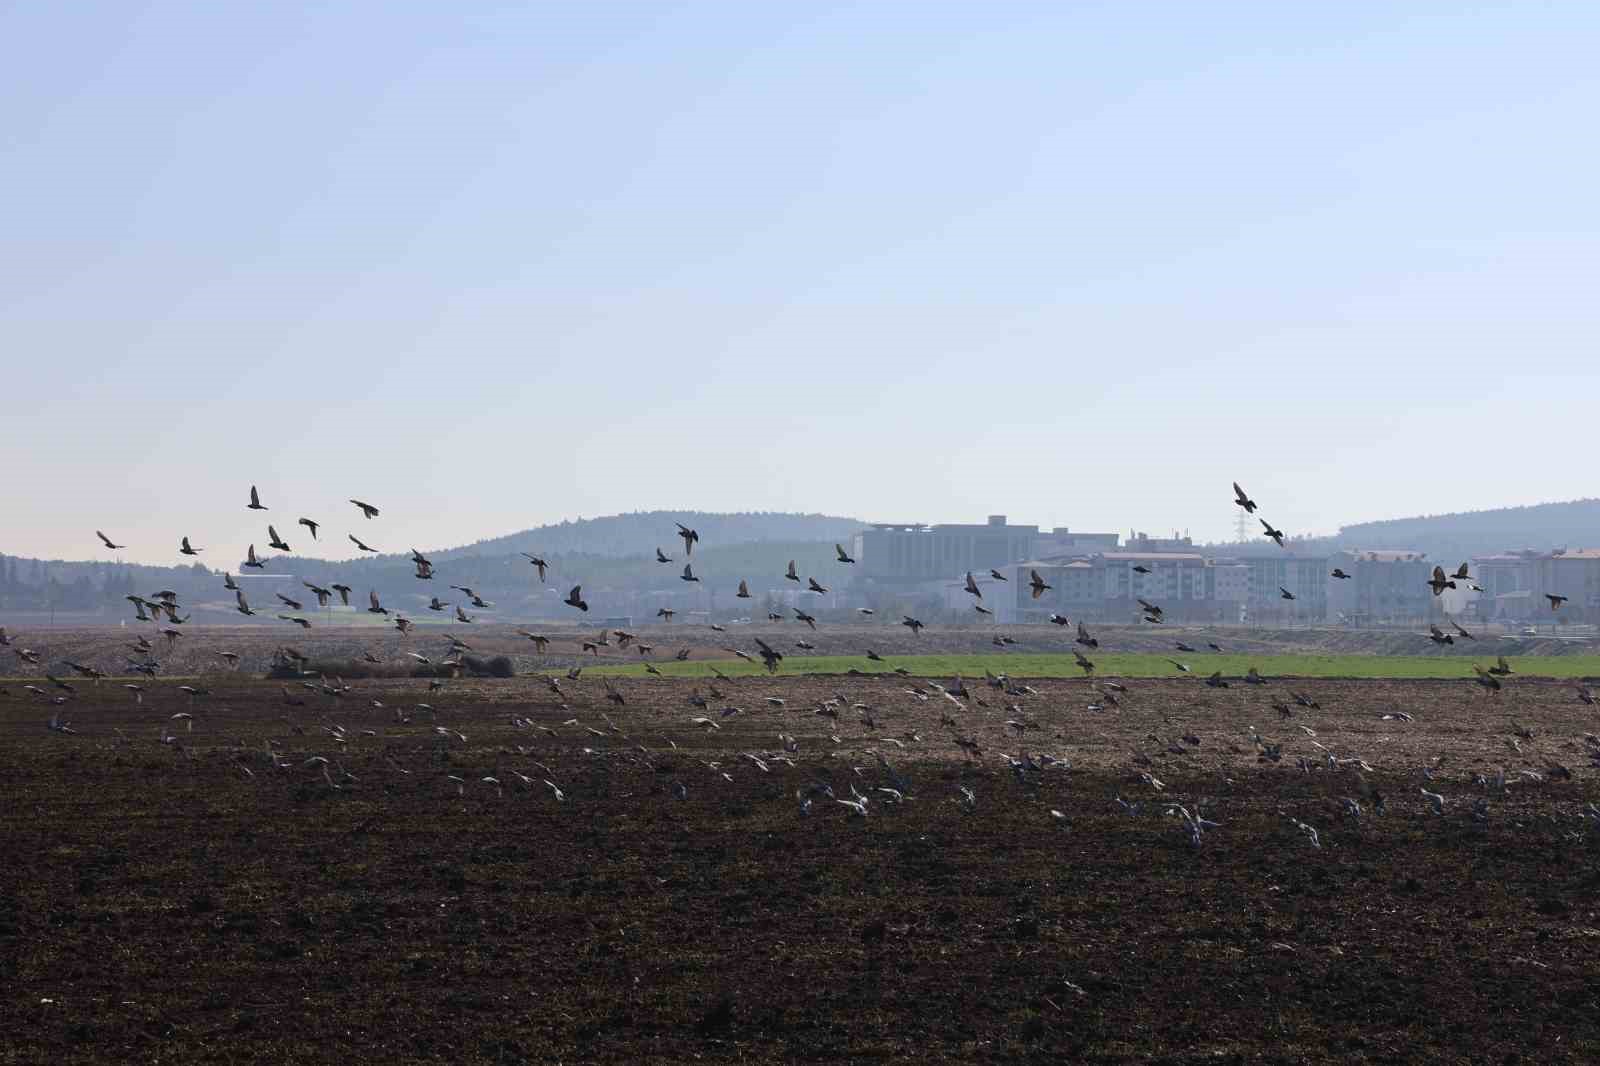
<point>1241,527</point>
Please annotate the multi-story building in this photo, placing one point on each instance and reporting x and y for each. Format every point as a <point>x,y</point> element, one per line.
<point>1384,587</point>
<point>1061,542</point>
<point>1228,587</point>
<point>1107,587</point>
<point>1304,576</point>
<point>1507,580</point>
<point>1573,573</point>
<point>914,552</point>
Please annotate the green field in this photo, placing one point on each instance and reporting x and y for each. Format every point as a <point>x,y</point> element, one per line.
<point>1140,665</point>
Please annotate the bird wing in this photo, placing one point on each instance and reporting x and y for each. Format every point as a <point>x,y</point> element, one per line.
<point>1239,493</point>
<point>254,499</point>
<point>688,572</point>
<point>372,594</point>
<point>792,572</point>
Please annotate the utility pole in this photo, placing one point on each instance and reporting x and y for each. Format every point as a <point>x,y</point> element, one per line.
<point>1241,527</point>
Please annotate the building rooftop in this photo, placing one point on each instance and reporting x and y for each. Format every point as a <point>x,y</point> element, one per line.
<point>1133,557</point>
<point>1386,555</point>
<point>1575,553</point>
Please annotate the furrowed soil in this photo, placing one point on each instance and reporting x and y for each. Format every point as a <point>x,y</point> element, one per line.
<point>207,889</point>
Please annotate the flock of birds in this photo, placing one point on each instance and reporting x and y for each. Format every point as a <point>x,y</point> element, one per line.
<point>883,783</point>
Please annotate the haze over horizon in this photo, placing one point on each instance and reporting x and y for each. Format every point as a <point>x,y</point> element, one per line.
<point>494,267</point>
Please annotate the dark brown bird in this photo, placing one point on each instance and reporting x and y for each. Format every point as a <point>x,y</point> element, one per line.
<point>1439,636</point>
<point>360,546</point>
<point>1284,593</point>
<point>107,541</point>
<point>344,593</point>
<point>1215,681</point>
<point>793,574</point>
<point>366,509</point>
<point>376,608</point>
<point>250,559</point>
<point>769,655</point>
<point>1439,582</point>
<point>1242,500</point>
<point>690,537</point>
<point>688,574</point>
<point>1084,638</point>
<point>744,591</point>
<point>537,562</point>
<point>575,598</point>
<point>806,618</point>
<point>1275,534</point>
<point>913,624</point>
<point>1037,583</point>
<point>1340,574</point>
<point>255,501</point>
<point>662,557</point>
<point>997,575</point>
<point>186,550</point>
<point>972,586</point>
<point>1555,601</point>
<point>1487,678</point>
<point>313,526</point>
<point>1462,631</point>
<point>843,558</point>
<point>811,583</point>
<point>274,541</point>
<point>293,605</point>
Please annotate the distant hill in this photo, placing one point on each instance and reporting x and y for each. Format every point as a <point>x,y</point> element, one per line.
<point>641,532</point>
<point>612,557</point>
<point>1542,527</point>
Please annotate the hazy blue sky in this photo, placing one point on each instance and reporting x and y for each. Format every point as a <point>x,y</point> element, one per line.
<point>489,266</point>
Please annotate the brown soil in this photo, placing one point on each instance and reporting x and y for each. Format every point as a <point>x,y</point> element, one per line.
<point>161,903</point>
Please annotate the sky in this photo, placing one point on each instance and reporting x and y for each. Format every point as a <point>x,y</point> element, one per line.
<point>490,266</point>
